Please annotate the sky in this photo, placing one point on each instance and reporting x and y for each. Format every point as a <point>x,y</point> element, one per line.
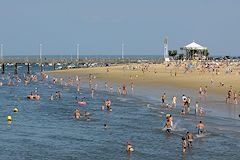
<point>101,26</point>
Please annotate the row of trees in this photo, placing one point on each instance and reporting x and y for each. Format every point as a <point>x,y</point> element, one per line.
<point>190,54</point>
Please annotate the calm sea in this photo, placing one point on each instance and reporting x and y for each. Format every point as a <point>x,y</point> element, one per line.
<point>47,130</point>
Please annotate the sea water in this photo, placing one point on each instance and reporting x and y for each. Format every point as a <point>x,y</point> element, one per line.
<point>47,129</point>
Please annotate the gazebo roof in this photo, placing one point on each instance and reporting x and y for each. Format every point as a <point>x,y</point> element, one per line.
<point>194,46</point>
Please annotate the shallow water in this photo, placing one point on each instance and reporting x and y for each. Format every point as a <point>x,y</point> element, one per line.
<point>47,130</point>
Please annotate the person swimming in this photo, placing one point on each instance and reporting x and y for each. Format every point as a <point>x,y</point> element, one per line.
<point>87,114</point>
<point>200,127</point>
<point>105,125</point>
<point>183,112</point>
<point>129,147</point>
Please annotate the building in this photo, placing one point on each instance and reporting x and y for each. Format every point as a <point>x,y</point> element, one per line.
<point>195,51</point>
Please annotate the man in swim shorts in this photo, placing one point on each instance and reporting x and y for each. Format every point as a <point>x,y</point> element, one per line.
<point>168,126</point>
<point>189,138</point>
<point>200,127</point>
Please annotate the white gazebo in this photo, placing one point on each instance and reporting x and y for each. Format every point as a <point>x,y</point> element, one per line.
<point>194,50</point>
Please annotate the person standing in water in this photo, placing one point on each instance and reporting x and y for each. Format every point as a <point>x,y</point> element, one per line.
<point>188,104</point>
<point>170,118</point>
<point>51,97</point>
<point>132,87</point>
<point>228,98</point>
<point>108,104</point>
<point>78,88</point>
<point>196,108</point>
<point>163,97</point>
<point>92,92</point>
<point>235,97</point>
<point>119,90</point>
<point>77,113</point>
<point>106,86</point>
<point>168,126</point>
<point>102,108</point>
<point>200,126</point>
<point>174,101</point>
<point>200,92</point>
<point>201,112</point>
<point>184,144</point>
<point>189,138</point>
<point>124,90</point>
<point>184,99</point>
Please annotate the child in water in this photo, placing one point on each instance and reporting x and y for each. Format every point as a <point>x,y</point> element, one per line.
<point>130,147</point>
<point>184,144</point>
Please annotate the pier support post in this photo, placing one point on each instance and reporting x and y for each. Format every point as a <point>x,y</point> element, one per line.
<point>41,68</point>
<point>3,68</point>
<point>28,68</point>
<point>15,69</point>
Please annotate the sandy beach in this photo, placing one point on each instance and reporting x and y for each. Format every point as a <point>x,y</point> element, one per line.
<point>157,75</point>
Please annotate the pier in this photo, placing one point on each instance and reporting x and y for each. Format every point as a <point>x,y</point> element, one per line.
<point>68,62</point>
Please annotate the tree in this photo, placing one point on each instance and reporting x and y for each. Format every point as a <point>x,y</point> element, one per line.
<point>172,53</point>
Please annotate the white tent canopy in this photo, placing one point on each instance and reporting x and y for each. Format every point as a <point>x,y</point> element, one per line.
<point>194,46</point>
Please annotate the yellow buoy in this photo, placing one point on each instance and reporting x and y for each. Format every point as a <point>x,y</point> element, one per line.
<point>9,118</point>
<point>15,110</point>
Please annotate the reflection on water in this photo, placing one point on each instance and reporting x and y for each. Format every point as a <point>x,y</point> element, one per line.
<point>47,130</point>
